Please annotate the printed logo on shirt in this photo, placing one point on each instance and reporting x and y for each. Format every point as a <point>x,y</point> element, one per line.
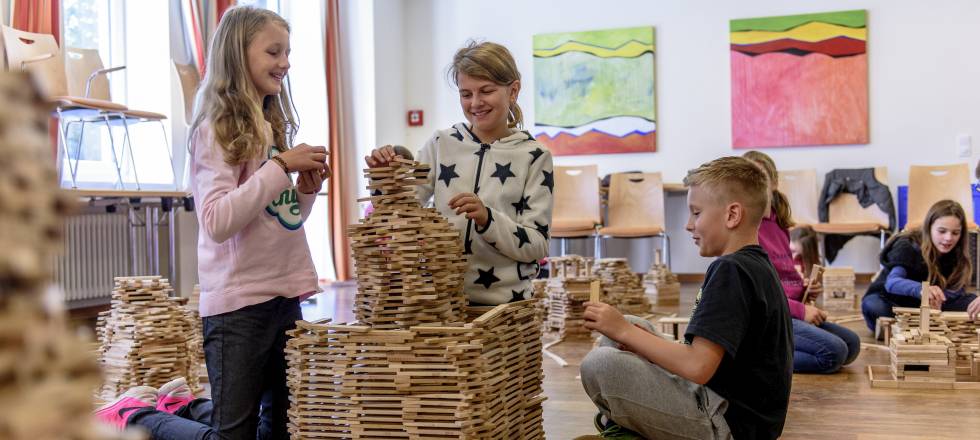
<point>285,207</point>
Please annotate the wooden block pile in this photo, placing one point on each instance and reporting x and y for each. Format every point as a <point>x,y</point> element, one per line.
<point>621,287</point>
<point>568,290</point>
<point>47,373</point>
<point>408,258</point>
<point>955,326</point>
<point>196,341</point>
<point>921,357</point>
<point>478,380</point>
<point>662,286</point>
<point>838,290</point>
<point>539,289</point>
<point>145,337</point>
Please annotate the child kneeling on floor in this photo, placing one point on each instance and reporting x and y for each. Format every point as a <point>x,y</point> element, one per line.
<point>732,374</point>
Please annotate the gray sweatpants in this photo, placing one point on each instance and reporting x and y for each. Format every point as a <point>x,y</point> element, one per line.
<point>649,400</point>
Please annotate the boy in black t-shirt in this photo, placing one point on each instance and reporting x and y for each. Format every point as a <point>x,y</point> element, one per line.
<point>732,375</point>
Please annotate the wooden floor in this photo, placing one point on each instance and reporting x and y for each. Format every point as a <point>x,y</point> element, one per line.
<point>841,406</point>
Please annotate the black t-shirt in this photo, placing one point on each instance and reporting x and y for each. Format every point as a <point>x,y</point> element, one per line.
<point>741,307</point>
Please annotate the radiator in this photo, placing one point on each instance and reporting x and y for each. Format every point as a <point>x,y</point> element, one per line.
<point>98,247</point>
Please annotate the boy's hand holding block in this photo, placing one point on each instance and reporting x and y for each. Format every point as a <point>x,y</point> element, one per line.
<point>594,290</point>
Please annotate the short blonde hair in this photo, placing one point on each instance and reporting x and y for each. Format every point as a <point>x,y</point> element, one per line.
<point>734,179</point>
<point>489,62</point>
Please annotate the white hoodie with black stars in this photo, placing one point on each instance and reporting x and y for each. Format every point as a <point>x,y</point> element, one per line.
<point>514,178</point>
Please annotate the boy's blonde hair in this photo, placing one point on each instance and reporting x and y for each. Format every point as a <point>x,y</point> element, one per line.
<point>489,62</point>
<point>228,100</point>
<point>734,179</point>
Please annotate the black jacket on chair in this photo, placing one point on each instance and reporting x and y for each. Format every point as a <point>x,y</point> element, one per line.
<point>862,183</point>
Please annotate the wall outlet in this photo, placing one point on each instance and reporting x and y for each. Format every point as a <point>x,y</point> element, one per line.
<point>964,146</point>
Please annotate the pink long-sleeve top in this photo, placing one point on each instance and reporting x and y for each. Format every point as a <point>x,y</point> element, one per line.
<point>251,242</point>
<point>775,241</point>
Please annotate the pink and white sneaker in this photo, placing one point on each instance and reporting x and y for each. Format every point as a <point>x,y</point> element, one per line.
<point>174,395</point>
<point>117,412</point>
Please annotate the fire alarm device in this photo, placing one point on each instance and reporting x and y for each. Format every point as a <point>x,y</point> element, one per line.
<point>414,118</point>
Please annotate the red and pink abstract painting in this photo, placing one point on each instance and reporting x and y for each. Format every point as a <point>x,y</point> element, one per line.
<point>800,80</point>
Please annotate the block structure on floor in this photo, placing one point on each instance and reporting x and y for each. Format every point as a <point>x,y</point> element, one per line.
<point>662,286</point>
<point>146,337</point>
<point>48,372</point>
<point>926,353</point>
<point>568,290</point>
<point>418,363</point>
<point>621,287</point>
<point>838,290</point>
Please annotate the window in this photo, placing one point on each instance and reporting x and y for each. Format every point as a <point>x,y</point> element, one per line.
<point>138,148</point>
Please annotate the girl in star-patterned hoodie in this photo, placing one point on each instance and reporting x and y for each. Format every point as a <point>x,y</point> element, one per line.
<point>490,178</point>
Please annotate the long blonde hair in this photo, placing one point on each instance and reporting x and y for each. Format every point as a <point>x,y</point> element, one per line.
<point>489,62</point>
<point>228,100</point>
<point>780,205</point>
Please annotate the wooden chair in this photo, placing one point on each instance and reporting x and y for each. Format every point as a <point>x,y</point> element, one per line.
<point>847,217</point>
<point>636,209</point>
<point>187,78</point>
<point>88,77</point>
<point>800,187</point>
<point>930,184</point>
<point>39,54</point>
<point>190,80</point>
<point>576,203</point>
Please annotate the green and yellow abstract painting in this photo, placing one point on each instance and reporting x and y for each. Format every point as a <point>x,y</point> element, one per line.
<point>594,91</point>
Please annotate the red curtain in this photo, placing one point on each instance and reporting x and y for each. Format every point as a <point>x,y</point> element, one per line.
<point>339,193</point>
<point>39,16</point>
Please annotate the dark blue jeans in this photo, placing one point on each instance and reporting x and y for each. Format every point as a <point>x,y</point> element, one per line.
<point>875,305</point>
<point>244,350</point>
<point>824,348</point>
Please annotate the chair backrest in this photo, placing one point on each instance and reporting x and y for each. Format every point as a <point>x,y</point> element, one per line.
<point>49,74</point>
<point>845,208</point>
<point>800,187</point>
<point>190,80</point>
<point>930,184</point>
<point>577,193</point>
<point>636,199</point>
<point>79,65</point>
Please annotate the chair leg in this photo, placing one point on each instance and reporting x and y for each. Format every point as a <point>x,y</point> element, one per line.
<point>63,137</point>
<point>882,244</point>
<point>822,248</point>
<point>597,243</point>
<point>665,248</point>
<point>78,151</point>
<point>115,157</point>
<point>562,249</point>
<point>128,142</point>
<point>170,153</point>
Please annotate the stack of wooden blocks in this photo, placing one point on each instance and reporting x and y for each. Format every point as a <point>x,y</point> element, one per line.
<point>621,287</point>
<point>404,371</point>
<point>568,290</point>
<point>196,341</point>
<point>955,326</point>
<point>921,355</point>
<point>47,372</point>
<point>146,337</point>
<point>539,288</point>
<point>838,290</point>
<point>408,258</point>
<point>662,286</point>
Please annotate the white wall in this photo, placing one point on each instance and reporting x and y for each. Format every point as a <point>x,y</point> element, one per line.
<point>923,68</point>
